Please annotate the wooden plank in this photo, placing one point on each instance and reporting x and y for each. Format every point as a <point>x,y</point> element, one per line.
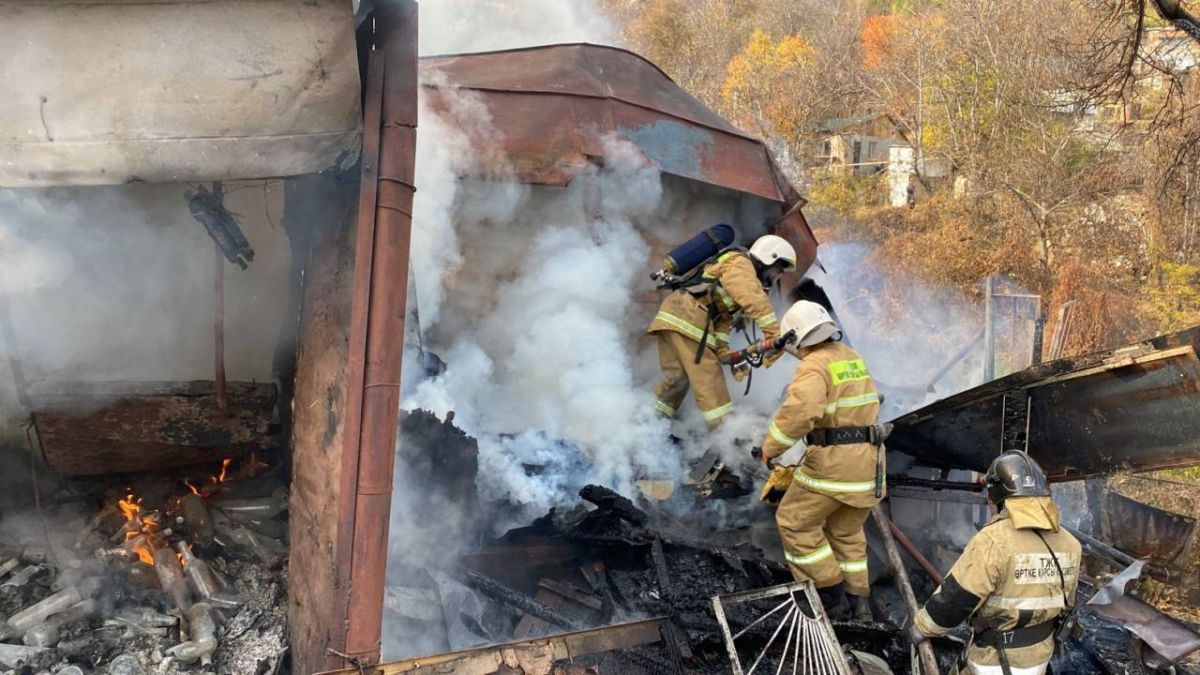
<point>534,657</point>
<point>319,215</point>
<point>97,431</point>
<point>571,593</point>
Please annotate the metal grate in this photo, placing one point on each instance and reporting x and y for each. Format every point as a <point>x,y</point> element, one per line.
<point>781,629</point>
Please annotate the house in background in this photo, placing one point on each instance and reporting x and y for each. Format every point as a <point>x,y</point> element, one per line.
<point>872,144</point>
<point>859,145</point>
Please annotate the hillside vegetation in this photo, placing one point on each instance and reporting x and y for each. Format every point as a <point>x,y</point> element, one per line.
<point>1067,130</point>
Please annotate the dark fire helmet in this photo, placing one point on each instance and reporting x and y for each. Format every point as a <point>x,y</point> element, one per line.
<point>1015,474</point>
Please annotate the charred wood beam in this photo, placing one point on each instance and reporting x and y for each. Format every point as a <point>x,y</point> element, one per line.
<point>1014,424</point>
<point>641,538</point>
<point>502,593</point>
<point>906,481</point>
<point>658,559</point>
<point>610,500</point>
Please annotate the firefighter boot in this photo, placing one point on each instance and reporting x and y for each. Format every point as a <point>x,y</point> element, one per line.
<point>860,608</point>
<point>833,599</point>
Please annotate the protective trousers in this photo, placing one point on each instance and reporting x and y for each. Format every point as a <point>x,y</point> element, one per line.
<point>823,540</point>
<point>677,358</point>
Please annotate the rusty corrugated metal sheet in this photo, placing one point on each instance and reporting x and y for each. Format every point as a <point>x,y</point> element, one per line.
<point>1144,531</point>
<point>554,106</point>
<point>1131,409</point>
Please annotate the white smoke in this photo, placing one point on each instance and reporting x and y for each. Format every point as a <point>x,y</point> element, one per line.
<point>538,299</point>
<point>116,284</point>
<point>550,351</point>
<point>453,26</point>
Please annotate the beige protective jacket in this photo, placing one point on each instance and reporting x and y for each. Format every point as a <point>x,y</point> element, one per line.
<point>832,388</point>
<point>734,287</point>
<point>1006,578</point>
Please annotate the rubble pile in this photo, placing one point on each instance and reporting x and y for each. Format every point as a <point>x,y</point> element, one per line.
<point>166,575</point>
<point>604,562</point>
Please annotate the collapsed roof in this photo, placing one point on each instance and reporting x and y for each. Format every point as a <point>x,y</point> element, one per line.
<point>1136,408</point>
<point>554,106</point>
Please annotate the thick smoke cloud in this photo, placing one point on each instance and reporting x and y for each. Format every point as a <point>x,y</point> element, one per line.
<point>116,283</point>
<point>905,328</point>
<point>548,348</point>
<point>453,26</point>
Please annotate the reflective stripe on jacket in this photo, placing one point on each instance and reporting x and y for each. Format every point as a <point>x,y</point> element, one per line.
<point>735,287</point>
<point>832,387</point>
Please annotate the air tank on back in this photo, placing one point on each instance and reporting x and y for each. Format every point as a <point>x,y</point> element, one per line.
<point>699,248</point>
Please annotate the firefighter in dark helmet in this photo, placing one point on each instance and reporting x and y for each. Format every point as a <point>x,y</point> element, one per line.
<point>1015,579</point>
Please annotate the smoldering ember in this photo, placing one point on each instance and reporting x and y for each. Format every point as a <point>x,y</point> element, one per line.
<point>566,337</point>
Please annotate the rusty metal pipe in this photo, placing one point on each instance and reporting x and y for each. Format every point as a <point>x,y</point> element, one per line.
<point>905,543</point>
<point>377,317</point>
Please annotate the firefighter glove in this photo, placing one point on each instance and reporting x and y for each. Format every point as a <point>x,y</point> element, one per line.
<point>740,370</point>
<point>777,485</point>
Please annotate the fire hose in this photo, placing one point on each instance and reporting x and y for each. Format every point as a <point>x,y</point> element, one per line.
<point>753,355</point>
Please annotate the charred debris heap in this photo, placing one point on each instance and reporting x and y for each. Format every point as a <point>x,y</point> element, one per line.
<point>648,571</point>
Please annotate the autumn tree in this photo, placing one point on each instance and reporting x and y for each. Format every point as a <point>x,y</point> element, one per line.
<point>769,85</point>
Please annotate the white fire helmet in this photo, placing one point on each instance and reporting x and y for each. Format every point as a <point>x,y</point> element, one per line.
<point>812,324</point>
<point>769,249</point>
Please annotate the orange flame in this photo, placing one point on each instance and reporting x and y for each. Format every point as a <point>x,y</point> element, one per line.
<point>224,467</point>
<point>130,507</point>
<point>193,488</point>
<point>140,531</point>
<point>143,550</point>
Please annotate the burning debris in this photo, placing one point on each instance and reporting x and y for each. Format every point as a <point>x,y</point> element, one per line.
<point>172,574</point>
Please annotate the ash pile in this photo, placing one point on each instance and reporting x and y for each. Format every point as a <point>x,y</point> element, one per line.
<point>156,574</point>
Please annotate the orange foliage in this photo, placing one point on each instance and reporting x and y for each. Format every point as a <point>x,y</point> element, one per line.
<point>759,80</point>
<point>876,35</point>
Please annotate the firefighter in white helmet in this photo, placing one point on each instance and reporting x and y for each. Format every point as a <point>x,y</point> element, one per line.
<point>732,288</point>
<point>832,405</point>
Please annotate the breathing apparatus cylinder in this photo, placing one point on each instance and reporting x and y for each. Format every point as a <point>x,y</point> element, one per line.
<point>698,249</point>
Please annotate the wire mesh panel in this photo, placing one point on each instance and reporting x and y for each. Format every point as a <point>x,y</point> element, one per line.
<point>777,630</point>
